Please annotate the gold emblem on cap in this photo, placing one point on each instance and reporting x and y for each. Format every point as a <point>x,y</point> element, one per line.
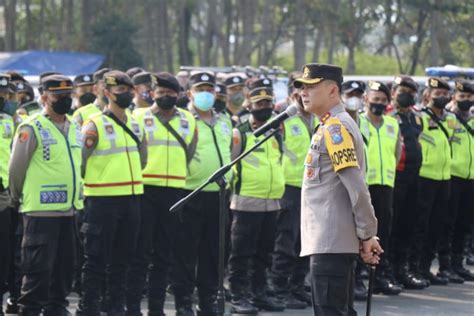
<point>433,83</point>
<point>111,81</point>
<point>459,86</point>
<point>63,84</point>
<point>263,93</point>
<point>306,72</point>
<point>154,80</point>
<point>374,85</point>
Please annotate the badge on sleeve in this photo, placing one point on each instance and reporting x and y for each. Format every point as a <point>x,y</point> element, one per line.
<point>339,145</point>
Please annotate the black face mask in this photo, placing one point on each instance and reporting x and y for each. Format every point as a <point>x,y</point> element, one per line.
<point>123,100</point>
<point>405,100</point>
<point>262,115</point>
<point>219,105</point>
<point>166,102</point>
<point>62,106</point>
<point>87,98</point>
<point>2,103</point>
<point>182,102</point>
<point>465,105</point>
<point>377,108</point>
<point>440,102</point>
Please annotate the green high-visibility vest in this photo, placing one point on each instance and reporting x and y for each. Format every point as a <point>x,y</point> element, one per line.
<point>167,160</point>
<point>114,168</point>
<point>297,139</point>
<point>435,147</point>
<point>53,179</point>
<point>7,129</point>
<point>212,151</point>
<point>261,173</point>
<point>462,142</point>
<point>86,112</point>
<point>381,150</point>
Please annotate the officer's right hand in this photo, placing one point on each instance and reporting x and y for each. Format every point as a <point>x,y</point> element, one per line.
<point>370,251</point>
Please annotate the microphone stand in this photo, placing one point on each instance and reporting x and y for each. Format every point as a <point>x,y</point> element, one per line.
<point>218,177</point>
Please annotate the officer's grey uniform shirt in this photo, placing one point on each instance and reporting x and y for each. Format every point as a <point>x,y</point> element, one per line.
<point>336,211</point>
<point>22,152</point>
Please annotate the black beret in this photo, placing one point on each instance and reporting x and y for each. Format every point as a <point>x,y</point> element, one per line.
<point>379,86</point>
<point>221,90</point>
<point>84,80</point>
<point>99,74</point>
<point>437,83</point>
<point>260,83</point>
<point>4,81</point>
<point>133,71</point>
<point>57,84</point>
<point>234,80</point>
<point>352,85</point>
<point>116,78</point>
<point>143,78</point>
<point>405,81</point>
<point>258,94</point>
<point>201,78</point>
<point>167,80</point>
<point>464,86</point>
<point>315,73</point>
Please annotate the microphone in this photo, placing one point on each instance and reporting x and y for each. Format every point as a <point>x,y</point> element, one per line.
<point>275,123</point>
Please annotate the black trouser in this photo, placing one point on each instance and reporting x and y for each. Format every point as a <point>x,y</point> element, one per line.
<point>288,268</point>
<point>432,210</point>
<point>155,245</point>
<point>79,253</point>
<point>15,275</point>
<point>332,284</point>
<point>5,249</point>
<point>252,238</point>
<point>47,256</point>
<point>404,209</point>
<point>110,233</point>
<point>458,220</point>
<point>382,199</point>
<point>197,249</point>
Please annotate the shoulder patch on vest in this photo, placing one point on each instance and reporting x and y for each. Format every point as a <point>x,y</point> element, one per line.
<point>339,145</point>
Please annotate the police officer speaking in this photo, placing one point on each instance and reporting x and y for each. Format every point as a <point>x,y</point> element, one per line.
<point>337,217</point>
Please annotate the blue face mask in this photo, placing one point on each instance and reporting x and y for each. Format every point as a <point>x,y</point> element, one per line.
<point>203,100</point>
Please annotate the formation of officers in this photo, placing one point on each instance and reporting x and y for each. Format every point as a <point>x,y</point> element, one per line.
<point>113,151</point>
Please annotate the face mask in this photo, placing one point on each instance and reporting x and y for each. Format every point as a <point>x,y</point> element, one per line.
<point>87,98</point>
<point>105,100</point>
<point>465,105</point>
<point>440,102</point>
<point>353,104</point>
<point>14,104</point>
<point>262,115</point>
<point>377,108</point>
<point>405,100</point>
<point>166,102</point>
<point>62,106</point>
<point>147,97</point>
<point>219,105</point>
<point>182,102</point>
<point>2,103</point>
<point>203,100</point>
<point>237,98</point>
<point>123,100</point>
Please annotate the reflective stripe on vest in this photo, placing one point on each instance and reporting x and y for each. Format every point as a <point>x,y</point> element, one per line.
<point>167,165</point>
<point>53,179</point>
<point>114,168</point>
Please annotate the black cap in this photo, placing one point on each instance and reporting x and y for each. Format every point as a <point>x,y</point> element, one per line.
<point>4,81</point>
<point>315,73</point>
<point>25,87</point>
<point>464,86</point>
<point>233,81</point>
<point>143,78</point>
<point>260,83</point>
<point>405,81</point>
<point>221,90</point>
<point>57,84</point>
<point>379,86</point>
<point>167,80</point>
<point>99,74</point>
<point>116,78</point>
<point>15,76</point>
<point>133,71</point>
<point>47,74</point>
<point>83,80</point>
<point>353,85</point>
<point>201,78</point>
<point>437,83</point>
<point>261,94</point>
<point>12,87</point>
